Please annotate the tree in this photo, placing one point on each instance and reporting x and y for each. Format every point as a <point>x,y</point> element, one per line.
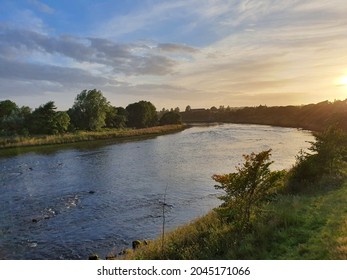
<point>9,117</point>
<point>7,107</point>
<point>247,188</point>
<point>111,114</point>
<point>142,114</point>
<point>162,112</point>
<point>170,118</point>
<point>328,151</point>
<point>12,124</point>
<point>62,122</point>
<point>45,120</point>
<point>121,117</point>
<point>13,120</point>
<point>329,148</point>
<point>89,110</point>
<point>42,120</point>
<point>214,109</point>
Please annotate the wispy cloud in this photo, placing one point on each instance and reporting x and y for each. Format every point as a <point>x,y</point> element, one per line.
<point>128,59</point>
<point>148,16</point>
<point>42,7</point>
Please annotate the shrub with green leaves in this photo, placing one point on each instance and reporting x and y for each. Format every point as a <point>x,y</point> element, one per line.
<point>246,189</point>
<point>324,160</point>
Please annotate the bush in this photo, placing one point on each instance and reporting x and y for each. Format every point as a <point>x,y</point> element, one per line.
<point>170,118</point>
<point>247,189</point>
<point>324,162</point>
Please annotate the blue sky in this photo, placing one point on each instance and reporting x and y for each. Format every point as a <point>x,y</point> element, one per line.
<point>200,53</point>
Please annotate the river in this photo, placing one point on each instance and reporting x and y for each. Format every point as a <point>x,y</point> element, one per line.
<point>68,202</point>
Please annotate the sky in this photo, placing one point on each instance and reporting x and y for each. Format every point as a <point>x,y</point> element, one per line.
<point>175,53</point>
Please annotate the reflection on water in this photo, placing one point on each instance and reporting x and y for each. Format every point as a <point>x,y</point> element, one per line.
<point>71,202</point>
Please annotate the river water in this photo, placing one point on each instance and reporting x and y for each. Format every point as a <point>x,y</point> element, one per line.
<point>68,202</point>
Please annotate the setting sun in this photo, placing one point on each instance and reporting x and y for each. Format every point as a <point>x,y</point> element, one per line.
<point>343,81</point>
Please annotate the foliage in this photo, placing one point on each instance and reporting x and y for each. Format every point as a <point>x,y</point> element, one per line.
<point>326,156</point>
<point>45,120</point>
<point>121,118</point>
<point>142,114</point>
<point>12,118</point>
<point>330,148</point>
<point>89,110</point>
<point>247,188</point>
<point>315,117</point>
<point>7,107</point>
<point>116,117</point>
<point>111,114</point>
<point>62,122</point>
<point>170,118</point>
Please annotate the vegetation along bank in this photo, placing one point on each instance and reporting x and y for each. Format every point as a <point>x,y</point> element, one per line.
<point>91,117</point>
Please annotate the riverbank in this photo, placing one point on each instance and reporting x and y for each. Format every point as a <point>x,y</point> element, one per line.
<point>84,136</point>
<point>293,227</point>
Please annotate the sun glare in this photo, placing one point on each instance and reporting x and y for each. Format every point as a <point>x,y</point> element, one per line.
<point>343,82</point>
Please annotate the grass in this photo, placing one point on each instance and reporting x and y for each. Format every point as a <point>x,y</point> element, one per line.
<point>82,136</point>
<point>199,239</point>
<point>292,227</point>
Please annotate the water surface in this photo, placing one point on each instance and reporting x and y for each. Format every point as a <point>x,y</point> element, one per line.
<point>68,203</point>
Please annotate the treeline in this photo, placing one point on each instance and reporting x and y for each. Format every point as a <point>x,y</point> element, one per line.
<point>91,111</point>
<point>315,117</point>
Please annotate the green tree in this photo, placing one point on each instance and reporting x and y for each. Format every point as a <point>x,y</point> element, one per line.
<point>43,119</point>
<point>89,110</point>
<point>9,117</point>
<point>121,118</point>
<point>170,118</point>
<point>111,115</point>
<point>62,121</point>
<point>7,107</point>
<point>246,189</point>
<point>11,124</point>
<point>329,148</point>
<point>142,114</point>
<point>326,154</point>
<point>16,122</point>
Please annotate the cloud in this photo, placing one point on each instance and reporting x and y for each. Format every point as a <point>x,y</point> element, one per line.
<point>148,16</point>
<point>127,59</point>
<point>15,70</point>
<point>44,8</point>
<point>176,48</point>
<point>27,18</point>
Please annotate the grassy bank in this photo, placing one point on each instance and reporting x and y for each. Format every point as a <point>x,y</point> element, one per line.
<point>81,136</point>
<point>306,226</point>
